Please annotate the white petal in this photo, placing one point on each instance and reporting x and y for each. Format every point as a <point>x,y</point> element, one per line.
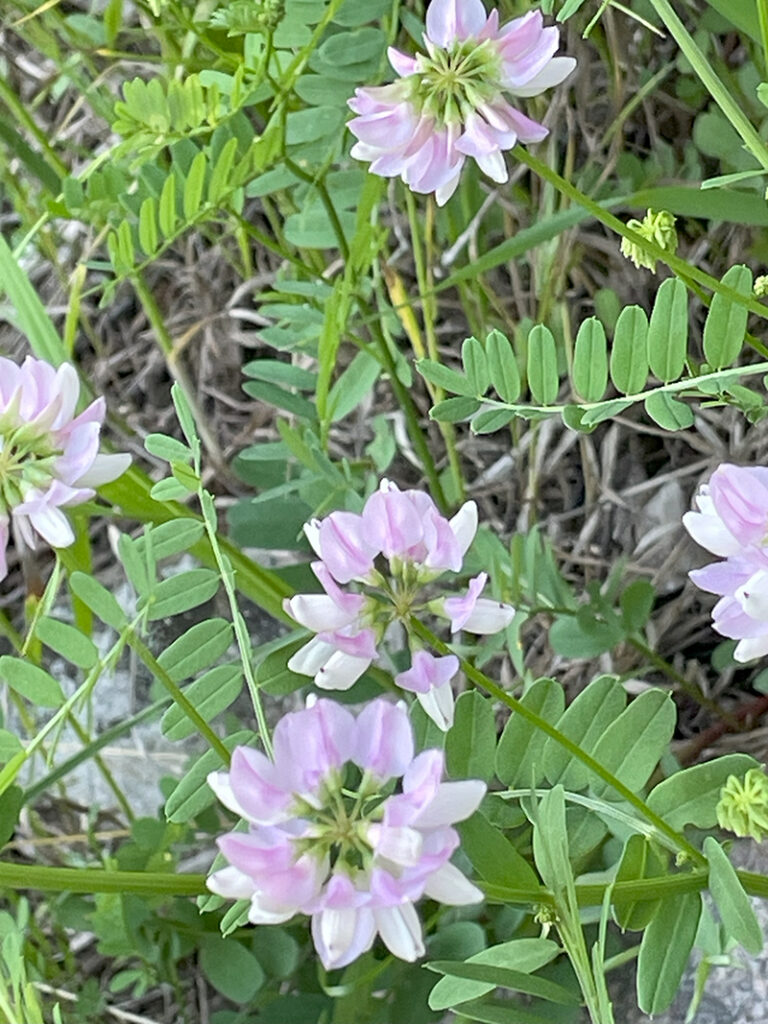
<point>231,883</point>
<point>400,929</point>
<point>310,658</point>
<point>493,165</point>
<point>753,647</point>
<point>399,844</point>
<point>464,525</point>
<point>753,596</point>
<point>438,704</point>
<point>312,533</point>
<point>448,885</point>
<point>104,469</point>
<point>453,801</point>
<point>219,783</point>
<point>318,612</point>
<point>341,671</point>
<point>710,532</point>
<point>555,72</point>
<point>444,192</point>
<point>258,915</point>
<point>489,617</point>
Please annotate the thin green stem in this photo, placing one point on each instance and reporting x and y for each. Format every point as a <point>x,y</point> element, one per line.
<point>715,87</point>
<point>244,645</point>
<point>157,670</point>
<point>762,16</point>
<point>423,262</point>
<point>481,680</point>
<point>92,880</point>
<point>679,266</point>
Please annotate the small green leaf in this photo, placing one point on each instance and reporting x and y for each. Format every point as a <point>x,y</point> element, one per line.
<point>166,214</point>
<point>490,420</point>
<point>453,410</point>
<point>494,857</point>
<point>543,378</point>
<point>168,448</point>
<point>182,592</point>
<point>664,951</point>
<point>670,413</point>
<point>590,361</point>
<point>197,649</point>
<point>629,354</point>
<point>449,380</point>
<point>193,187</point>
<point>218,186</point>
<point>31,682</point>
<point>584,722</point>
<point>471,742</point>
<point>67,641</point>
<point>148,226</point>
<point>98,599</point>
<point>638,862</point>
<point>525,955</point>
<point>632,745</point>
<point>502,366</point>
<point>668,331</point>
<point>506,977</point>
<point>519,760</point>
<point>735,908</point>
<point>475,365</point>
<point>210,695</point>
<point>726,321</point>
<point>231,968</point>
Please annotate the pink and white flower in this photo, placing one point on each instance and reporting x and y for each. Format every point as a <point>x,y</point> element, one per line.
<point>49,458</point>
<point>399,544</point>
<point>732,521</point>
<point>449,103</point>
<point>320,841</point>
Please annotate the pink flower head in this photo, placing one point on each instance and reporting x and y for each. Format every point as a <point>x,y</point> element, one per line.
<point>320,841</point>
<point>49,458</point>
<point>449,103</point>
<point>732,521</point>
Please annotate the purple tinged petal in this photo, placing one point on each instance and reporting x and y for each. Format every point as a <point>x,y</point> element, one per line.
<point>459,609</point>
<point>344,547</point>
<point>392,520</point>
<point>427,671</point>
<point>384,739</point>
<point>4,532</point>
<point>740,499</point>
<point>451,20</point>
<point>344,928</point>
<point>401,62</point>
<point>256,786</point>
<point>721,577</point>
<point>310,744</point>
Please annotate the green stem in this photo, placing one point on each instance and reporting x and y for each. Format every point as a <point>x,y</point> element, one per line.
<point>481,680</point>
<point>679,266</point>
<point>242,636</point>
<point>157,670</point>
<point>101,741</point>
<point>715,87</point>
<point>422,260</point>
<point>91,880</point>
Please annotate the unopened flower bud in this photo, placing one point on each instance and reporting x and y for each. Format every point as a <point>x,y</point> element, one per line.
<point>743,806</point>
<point>658,226</point>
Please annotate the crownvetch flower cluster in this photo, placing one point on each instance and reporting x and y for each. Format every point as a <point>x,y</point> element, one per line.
<point>398,545</point>
<point>449,103</point>
<point>324,840</point>
<point>732,521</point>
<point>49,458</point>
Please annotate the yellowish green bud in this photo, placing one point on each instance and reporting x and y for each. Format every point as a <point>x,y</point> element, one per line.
<point>657,226</point>
<point>760,287</point>
<point>743,806</point>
